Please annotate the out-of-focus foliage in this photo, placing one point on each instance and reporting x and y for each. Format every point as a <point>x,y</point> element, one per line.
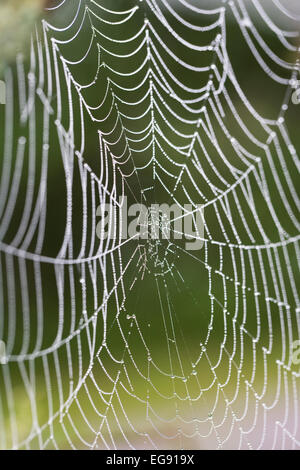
<point>17,18</point>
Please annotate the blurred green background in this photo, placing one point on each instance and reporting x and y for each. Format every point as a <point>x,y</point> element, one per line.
<point>183,319</point>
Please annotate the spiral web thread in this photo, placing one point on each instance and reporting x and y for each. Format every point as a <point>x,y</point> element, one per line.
<point>143,99</point>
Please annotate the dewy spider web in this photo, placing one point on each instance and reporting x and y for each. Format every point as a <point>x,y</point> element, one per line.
<point>118,344</point>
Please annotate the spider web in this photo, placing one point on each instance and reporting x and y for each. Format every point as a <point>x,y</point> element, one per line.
<point>121,344</point>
